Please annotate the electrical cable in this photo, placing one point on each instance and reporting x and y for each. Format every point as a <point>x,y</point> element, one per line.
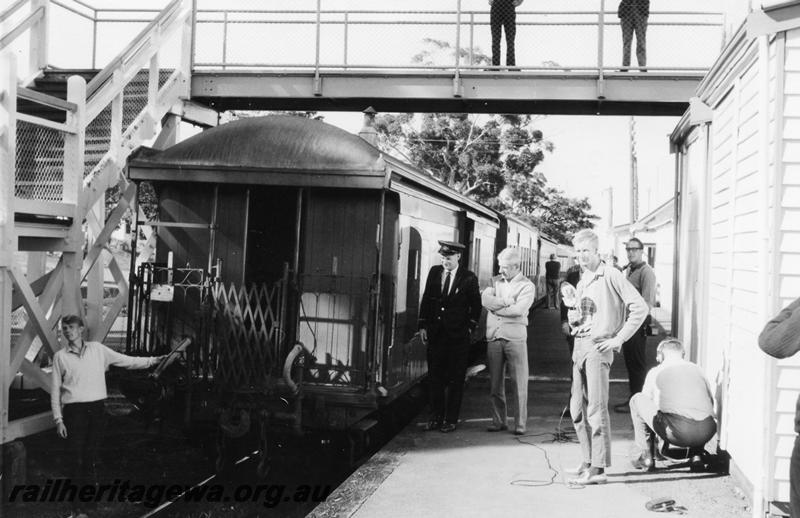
<point>559,435</point>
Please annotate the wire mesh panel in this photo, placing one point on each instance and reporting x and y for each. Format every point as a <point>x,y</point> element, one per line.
<point>248,336</point>
<point>334,318</point>
<point>39,163</point>
<point>577,37</point>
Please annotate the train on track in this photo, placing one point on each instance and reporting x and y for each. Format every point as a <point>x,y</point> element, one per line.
<point>292,253</point>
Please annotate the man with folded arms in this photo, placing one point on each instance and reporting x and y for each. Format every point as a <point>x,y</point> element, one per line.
<point>675,403</point>
<point>508,301</point>
<point>600,327</point>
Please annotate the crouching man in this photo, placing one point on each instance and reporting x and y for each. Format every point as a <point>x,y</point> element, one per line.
<point>675,403</point>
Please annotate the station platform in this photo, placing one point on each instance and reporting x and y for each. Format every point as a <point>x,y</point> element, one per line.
<point>472,472</point>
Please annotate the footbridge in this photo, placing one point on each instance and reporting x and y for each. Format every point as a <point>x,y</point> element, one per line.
<point>82,85</point>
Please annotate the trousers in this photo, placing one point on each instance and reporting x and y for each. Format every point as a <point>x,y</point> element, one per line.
<point>85,423</point>
<point>447,367</point>
<point>503,16</point>
<point>511,355</point>
<point>588,402</point>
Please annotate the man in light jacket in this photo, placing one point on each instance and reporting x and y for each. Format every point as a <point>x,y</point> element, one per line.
<point>508,301</point>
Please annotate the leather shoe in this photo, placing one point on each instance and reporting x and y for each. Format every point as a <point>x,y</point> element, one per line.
<point>519,431</point>
<point>433,424</point>
<point>587,479</point>
<point>497,428</point>
<point>447,428</point>
<point>644,462</point>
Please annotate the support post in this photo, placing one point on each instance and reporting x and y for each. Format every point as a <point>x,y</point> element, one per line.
<point>38,38</point>
<point>8,242</point>
<point>74,147</point>
<point>187,53</point>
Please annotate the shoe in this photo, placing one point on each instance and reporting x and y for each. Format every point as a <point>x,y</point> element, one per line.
<point>580,470</point>
<point>497,428</point>
<point>622,408</point>
<point>696,464</point>
<point>519,431</point>
<point>475,369</point>
<point>447,428</point>
<point>587,479</point>
<point>644,462</point>
<point>433,424</point>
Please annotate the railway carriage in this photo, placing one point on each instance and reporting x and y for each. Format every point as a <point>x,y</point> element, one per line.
<point>293,254</point>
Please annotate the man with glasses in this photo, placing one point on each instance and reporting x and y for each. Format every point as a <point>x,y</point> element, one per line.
<point>643,278</point>
<point>508,301</point>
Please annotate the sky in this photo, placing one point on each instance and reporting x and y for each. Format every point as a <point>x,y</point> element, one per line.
<point>591,156</point>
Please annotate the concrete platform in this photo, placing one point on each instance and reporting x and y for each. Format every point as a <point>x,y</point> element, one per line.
<point>472,472</point>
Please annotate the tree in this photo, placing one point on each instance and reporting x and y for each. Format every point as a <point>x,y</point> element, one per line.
<point>492,159</point>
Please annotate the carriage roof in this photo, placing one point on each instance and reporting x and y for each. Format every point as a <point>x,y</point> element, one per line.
<point>285,150</point>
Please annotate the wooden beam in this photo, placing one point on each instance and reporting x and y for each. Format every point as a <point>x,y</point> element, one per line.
<point>35,312</point>
<point>110,226</point>
<point>46,300</point>
<point>8,237</point>
<point>39,377</point>
<point>29,426</point>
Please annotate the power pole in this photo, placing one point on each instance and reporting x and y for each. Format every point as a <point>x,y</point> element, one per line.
<point>634,173</point>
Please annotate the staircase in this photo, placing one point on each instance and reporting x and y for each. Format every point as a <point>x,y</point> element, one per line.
<point>67,140</point>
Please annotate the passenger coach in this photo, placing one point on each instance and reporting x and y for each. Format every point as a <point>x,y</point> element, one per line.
<point>277,235</point>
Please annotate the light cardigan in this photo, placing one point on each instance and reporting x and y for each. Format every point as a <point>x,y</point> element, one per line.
<point>508,303</point>
<point>80,376</point>
<point>613,296</point>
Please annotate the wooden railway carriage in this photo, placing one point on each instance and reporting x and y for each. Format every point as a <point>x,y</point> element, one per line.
<point>304,233</point>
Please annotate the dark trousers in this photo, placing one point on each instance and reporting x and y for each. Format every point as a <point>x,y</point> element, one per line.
<point>552,292</point>
<point>794,480</point>
<point>635,360</point>
<point>447,368</point>
<point>634,22</point>
<point>503,16</point>
<point>85,424</point>
<point>682,431</point>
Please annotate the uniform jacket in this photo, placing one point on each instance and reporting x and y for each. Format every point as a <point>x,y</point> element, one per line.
<point>456,314</point>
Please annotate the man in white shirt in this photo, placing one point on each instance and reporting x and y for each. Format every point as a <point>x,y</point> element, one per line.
<point>508,301</point>
<point>675,403</point>
<point>79,391</point>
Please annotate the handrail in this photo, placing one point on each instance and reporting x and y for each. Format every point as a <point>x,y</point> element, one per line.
<point>46,100</point>
<point>130,49</point>
<point>11,10</point>
<point>32,18</point>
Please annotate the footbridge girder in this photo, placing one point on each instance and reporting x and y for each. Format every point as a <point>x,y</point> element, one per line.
<point>573,93</point>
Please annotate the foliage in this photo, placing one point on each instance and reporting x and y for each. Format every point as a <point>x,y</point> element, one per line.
<point>492,159</point>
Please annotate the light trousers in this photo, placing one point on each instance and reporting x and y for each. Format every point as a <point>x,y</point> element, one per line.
<point>511,355</point>
<point>589,402</point>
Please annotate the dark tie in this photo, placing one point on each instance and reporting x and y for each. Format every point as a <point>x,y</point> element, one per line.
<point>446,288</point>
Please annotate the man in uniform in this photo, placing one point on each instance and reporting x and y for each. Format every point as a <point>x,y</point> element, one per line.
<point>643,278</point>
<point>449,312</point>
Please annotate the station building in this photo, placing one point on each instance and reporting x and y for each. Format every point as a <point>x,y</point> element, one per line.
<point>737,246</point>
